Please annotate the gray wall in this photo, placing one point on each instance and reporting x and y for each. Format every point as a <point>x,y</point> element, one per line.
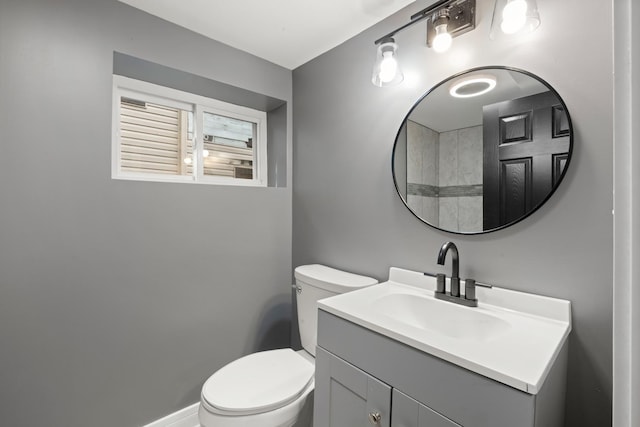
<point>119,298</point>
<point>348,215</point>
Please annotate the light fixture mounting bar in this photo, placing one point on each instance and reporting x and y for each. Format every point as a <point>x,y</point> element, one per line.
<point>462,18</point>
<point>467,20</point>
<point>415,18</point>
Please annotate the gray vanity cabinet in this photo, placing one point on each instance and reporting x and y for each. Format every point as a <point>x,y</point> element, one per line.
<point>360,373</point>
<point>346,396</point>
<point>408,412</point>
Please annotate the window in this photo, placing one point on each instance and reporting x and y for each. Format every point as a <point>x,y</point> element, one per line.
<point>162,134</point>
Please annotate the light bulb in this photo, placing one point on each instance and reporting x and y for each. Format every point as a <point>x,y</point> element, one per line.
<point>205,153</point>
<point>187,160</point>
<point>442,41</point>
<point>388,67</point>
<point>514,16</point>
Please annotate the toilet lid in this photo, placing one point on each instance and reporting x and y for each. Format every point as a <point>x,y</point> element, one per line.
<point>259,382</point>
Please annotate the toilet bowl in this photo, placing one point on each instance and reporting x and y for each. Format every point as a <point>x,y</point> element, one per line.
<point>269,388</point>
<point>274,388</point>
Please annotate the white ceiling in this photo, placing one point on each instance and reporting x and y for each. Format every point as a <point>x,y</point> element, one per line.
<point>441,112</point>
<point>286,32</point>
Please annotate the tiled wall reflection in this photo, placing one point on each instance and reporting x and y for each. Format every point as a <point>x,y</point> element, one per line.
<point>444,172</point>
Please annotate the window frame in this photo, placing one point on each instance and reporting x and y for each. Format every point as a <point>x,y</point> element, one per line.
<point>198,105</point>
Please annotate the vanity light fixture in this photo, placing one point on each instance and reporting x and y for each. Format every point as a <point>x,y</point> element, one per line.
<point>386,71</point>
<point>514,17</point>
<point>474,85</point>
<point>446,19</point>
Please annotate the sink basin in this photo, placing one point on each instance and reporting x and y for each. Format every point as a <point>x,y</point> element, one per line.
<point>441,317</point>
<point>512,337</point>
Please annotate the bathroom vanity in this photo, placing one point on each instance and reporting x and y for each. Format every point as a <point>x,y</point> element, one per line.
<point>392,355</point>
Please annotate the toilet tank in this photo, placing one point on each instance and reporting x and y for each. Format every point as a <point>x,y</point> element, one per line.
<point>315,282</point>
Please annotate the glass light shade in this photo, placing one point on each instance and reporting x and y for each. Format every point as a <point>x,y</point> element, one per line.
<point>386,71</point>
<point>514,17</point>
<point>442,41</point>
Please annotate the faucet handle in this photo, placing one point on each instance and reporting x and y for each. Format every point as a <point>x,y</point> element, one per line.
<point>440,281</point>
<point>470,289</point>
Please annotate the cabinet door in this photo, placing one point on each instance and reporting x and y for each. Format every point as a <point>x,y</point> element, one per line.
<point>345,396</point>
<point>408,412</point>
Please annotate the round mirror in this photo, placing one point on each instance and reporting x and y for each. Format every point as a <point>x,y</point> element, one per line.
<point>482,150</point>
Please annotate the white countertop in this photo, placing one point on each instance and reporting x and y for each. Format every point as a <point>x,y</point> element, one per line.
<point>525,334</point>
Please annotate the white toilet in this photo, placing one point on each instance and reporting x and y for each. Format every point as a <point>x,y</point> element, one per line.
<point>275,388</point>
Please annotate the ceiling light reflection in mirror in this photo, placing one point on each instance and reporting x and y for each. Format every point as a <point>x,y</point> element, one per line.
<point>471,86</point>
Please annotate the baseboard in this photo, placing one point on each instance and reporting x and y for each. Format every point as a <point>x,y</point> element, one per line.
<point>187,417</point>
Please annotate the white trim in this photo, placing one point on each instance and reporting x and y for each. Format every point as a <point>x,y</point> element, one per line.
<point>626,225</point>
<point>124,86</point>
<point>130,176</point>
<point>184,179</point>
<point>187,417</point>
<point>115,133</point>
<point>198,143</point>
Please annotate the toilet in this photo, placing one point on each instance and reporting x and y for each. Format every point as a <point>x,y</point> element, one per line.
<point>274,388</point>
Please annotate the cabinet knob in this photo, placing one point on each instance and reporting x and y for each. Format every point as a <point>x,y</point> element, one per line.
<point>374,418</point>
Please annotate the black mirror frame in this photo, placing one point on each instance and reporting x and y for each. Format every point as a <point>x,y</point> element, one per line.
<point>486,68</point>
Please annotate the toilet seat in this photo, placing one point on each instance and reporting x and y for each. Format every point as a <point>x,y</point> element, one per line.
<point>258,383</point>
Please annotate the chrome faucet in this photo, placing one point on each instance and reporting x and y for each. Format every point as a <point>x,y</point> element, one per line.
<point>469,298</point>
